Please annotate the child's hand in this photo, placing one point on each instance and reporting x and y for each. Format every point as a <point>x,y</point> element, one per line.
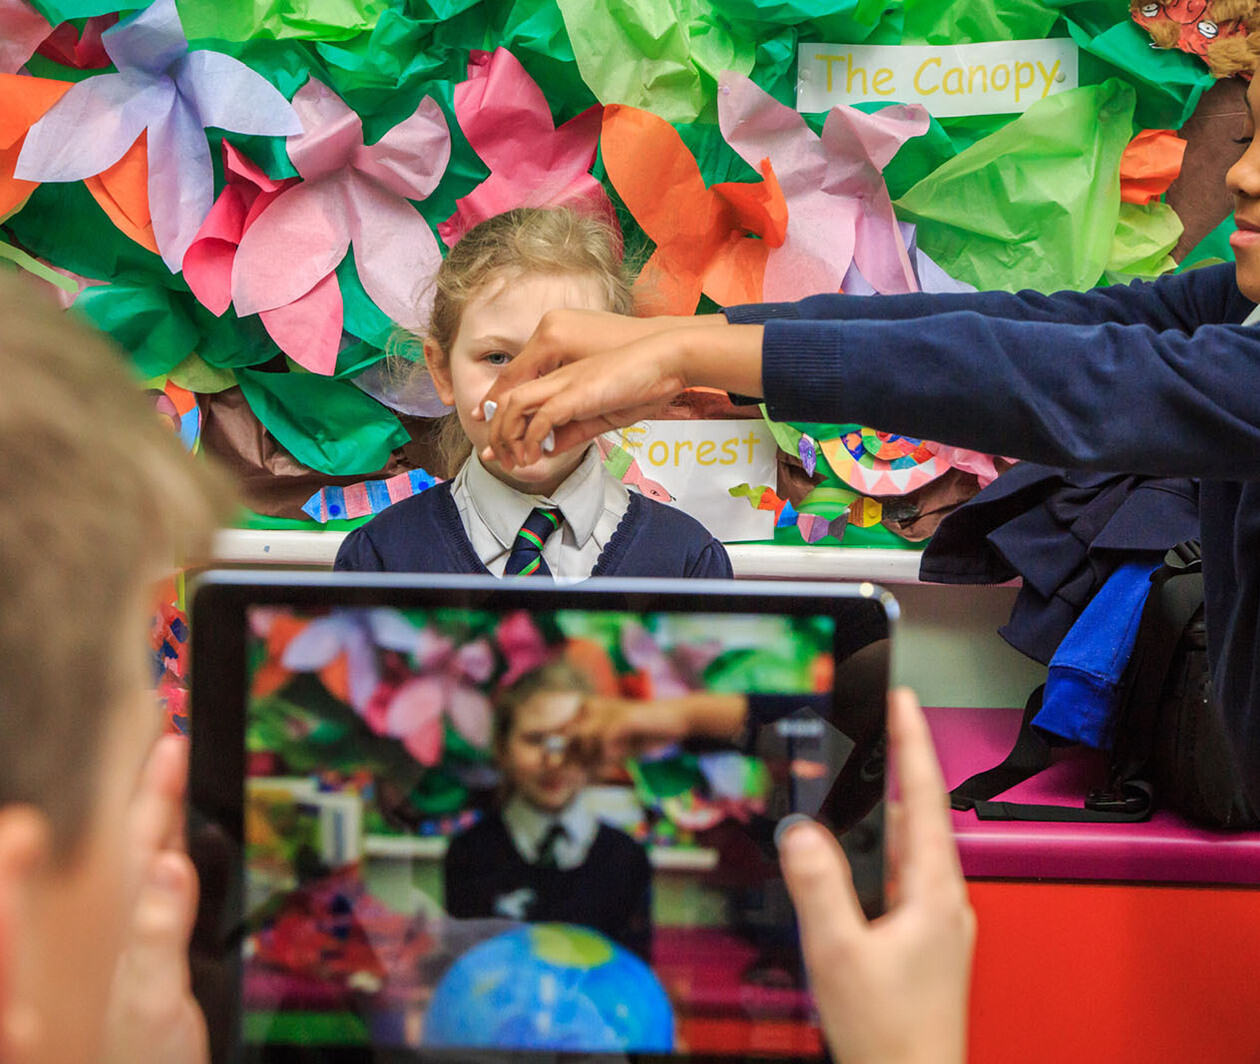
<point>583,373</point>
<point>152,1013</point>
<point>893,990</point>
<point>607,730</point>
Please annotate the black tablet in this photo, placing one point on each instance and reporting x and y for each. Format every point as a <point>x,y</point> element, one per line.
<point>472,819</point>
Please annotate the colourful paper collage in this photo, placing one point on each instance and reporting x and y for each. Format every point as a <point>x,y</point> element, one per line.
<point>252,198</point>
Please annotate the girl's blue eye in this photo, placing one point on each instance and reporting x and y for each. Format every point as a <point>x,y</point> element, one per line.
<point>498,358</point>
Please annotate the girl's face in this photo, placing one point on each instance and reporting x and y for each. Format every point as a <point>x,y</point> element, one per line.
<point>536,757</point>
<point>497,321</point>
<point>1243,180</point>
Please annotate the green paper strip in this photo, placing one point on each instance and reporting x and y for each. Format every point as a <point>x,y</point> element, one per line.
<point>784,435</point>
<point>326,424</point>
<point>1035,204</point>
<point>21,259</point>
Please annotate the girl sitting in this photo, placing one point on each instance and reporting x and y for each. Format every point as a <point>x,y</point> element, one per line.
<point>562,515</point>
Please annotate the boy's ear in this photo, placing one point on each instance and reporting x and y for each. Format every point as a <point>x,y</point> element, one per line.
<point>439,367</point>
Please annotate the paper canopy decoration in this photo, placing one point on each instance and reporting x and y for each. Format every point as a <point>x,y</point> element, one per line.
<point>264,191</point>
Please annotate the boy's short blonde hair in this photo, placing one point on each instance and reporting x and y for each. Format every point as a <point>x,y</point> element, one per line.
<point>99,499</point>
<point>525,240</point>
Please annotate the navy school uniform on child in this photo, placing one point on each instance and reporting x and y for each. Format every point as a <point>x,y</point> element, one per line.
<point>562,516</point>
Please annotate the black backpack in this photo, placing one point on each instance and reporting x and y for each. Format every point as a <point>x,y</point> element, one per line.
<point>1171,748</point>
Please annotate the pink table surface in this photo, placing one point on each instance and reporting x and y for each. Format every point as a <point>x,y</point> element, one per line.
<point>1164,849</point>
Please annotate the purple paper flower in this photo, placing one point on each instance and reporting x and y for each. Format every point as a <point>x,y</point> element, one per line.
<point>172,93</point>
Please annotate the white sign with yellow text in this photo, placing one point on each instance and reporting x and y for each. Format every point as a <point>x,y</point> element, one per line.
<point>995,77</point>
<point>694,464</point>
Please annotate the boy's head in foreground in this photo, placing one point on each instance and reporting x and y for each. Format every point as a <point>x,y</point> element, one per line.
<point>531,741</point>
<point>489,295</point>
<point>99,502</point>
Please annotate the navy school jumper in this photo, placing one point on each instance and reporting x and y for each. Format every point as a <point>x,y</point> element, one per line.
<point>424,534</point>
<point>1159,378</point>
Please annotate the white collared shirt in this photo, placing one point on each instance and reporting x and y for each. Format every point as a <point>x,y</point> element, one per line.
<point>591,502</point>
<point>528,825</point>
<point>1254,317</point>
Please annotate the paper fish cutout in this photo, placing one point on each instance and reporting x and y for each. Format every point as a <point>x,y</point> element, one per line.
<point>1150,164</point>
<point>625,467</point>
<point>701,233</point>
<point>839,211</point>
<point>508,123</point>
<point>812,527</point>
<point>367,497</point>
<point>351,193</point>
<point>815,527</point>
<point>807,451</point>
<point>883,463</point>
<point>172,93</point>
<point>180,405</point>
<point>208,262</point>
<point>761,497</point>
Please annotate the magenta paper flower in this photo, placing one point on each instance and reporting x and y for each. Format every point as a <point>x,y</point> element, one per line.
<point>351,193</point>
<point>505,117</point>
<point>173,94</point>
<point>673,672</point>
<point>839,211</point>
<point>522,644</point>
<point>208,261</point>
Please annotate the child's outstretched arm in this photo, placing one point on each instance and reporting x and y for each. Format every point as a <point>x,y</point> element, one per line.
<point>894,990</point>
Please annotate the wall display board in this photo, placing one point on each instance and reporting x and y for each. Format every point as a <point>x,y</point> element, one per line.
<point>249,197</point>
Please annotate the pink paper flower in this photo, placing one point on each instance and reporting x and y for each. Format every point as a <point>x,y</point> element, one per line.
<point>351,193</point>
<point>208,261</point>
<point>395,699</point>
<point>839,211</point>
<point>505,117</point>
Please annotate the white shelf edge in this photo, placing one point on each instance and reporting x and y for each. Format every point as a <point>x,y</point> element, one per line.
<point>750,560</point>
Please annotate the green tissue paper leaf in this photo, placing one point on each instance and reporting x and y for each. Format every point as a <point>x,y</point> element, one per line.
<point>662,57</point>
<point>239,20</point>
<point>327,424</point>
<point>1035,204</point>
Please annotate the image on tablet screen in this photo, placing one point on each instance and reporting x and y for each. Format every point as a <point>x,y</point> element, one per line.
<point>543,830</point>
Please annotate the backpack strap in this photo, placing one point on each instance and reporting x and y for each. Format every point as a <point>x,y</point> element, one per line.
<point>1030,754</point>
<point>1126,798</point>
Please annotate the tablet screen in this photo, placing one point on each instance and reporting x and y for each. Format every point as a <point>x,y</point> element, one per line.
<point>547,831</point>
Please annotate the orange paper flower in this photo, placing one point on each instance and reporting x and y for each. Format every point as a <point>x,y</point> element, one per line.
<point>701,234</point>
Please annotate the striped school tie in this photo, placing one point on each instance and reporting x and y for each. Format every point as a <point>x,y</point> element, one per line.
<point>526,558</point>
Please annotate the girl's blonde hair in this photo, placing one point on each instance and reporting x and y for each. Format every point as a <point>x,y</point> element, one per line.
<point>525,240</point>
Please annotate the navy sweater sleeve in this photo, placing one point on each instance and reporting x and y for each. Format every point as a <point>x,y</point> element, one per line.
<point>1176,302</point>
<point>712,563</point>
<point>358,553</point>
<point>1154,378</point>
